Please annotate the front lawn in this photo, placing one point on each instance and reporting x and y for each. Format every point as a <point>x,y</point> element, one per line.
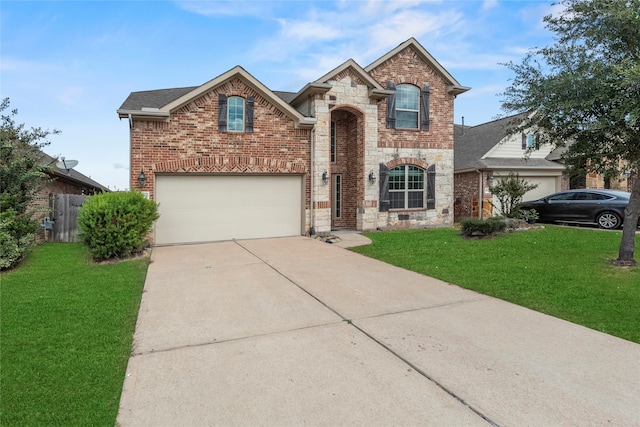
<point>557,270</point>
<point>66,330</point>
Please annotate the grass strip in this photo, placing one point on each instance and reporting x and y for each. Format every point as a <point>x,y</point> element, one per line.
<point>66,330</point>
<point>561,271</point>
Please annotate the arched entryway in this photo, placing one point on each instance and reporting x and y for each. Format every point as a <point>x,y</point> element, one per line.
<point>347,166</point>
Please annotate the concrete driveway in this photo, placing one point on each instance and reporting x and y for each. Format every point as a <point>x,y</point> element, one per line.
<point>294,331</point>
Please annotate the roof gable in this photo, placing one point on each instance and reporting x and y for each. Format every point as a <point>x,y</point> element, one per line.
<point>164,102</point>
<point>355,69</point>
<point>454,87</point>
<point>474,148</point>
<point>321,85</point>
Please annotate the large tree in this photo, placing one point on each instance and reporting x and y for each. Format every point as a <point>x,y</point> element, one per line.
<point>584,92</point>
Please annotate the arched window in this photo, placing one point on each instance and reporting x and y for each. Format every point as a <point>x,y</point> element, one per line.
<point>235,114</point>
<point>407,106</point>
<point>235,120</point>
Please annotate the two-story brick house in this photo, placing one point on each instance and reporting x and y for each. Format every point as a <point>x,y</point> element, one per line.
<point>362,148</point>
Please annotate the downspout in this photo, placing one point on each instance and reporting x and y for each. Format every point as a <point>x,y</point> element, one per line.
<point>130,151</point>
<point>312,230</point>
<point>480,194</point>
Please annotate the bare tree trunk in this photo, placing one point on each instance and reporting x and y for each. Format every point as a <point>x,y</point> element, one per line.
<point>627,244</point>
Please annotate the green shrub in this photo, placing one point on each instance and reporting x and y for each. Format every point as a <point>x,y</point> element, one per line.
<point>17,238</point>
<point>479,227</point>
<point>115,225</point>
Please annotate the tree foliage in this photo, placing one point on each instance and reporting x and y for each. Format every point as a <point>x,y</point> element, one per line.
<point>509,192</point>
<point>21,177</point>
<point>585,92</point>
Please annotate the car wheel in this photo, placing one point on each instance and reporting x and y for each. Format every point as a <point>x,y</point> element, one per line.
<point>608,220</point>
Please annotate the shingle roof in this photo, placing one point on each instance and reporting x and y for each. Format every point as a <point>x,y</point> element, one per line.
<point>154,98</point>
<point>286,96</point>
<point>478,140</point>
<point>71,174</point>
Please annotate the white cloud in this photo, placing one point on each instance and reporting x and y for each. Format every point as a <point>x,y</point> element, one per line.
<point>296,31</point>
<point>26,66</point>
<point>485,91</point>
<point>71,95</point>
<point>488,5</point>
<point>388,33</point>
<point>227,7</point>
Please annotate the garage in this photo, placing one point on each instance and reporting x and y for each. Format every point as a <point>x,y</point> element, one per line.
<point>546,186</point>
<point>206,208</point>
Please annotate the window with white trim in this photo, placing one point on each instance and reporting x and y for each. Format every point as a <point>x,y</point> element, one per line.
<point>407,106</point>
<point>235,114</point>
<point>406,187</point>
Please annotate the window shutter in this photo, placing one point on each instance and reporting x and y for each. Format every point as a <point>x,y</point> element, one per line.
<point>222,112</point>
<point>384,188</point>
<point>391,106</point>
<point>424,108</point>
<point>524,141</point>
<point>248,125</point>
<point>431,187</point>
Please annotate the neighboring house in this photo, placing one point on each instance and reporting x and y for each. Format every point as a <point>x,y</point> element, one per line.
<point>361,148</point>
<point>485,153</point>
<point>61,181</point>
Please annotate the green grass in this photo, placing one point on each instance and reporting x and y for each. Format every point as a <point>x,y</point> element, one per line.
<point>557,270</point>
<point>66,331</point>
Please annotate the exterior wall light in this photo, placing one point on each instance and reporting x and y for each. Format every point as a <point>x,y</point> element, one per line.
<point>490,180</point>
<point>372,178</point>
<point>142,179</point>
<point>325,177</point>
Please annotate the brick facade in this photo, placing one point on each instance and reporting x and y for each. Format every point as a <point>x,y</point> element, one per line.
<point>190,141</point>
<point>187,140</point>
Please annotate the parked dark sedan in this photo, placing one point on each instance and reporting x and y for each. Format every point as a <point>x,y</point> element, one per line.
<point>602,207</point>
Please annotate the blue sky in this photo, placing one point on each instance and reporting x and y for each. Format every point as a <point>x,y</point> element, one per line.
<point>70,65</point>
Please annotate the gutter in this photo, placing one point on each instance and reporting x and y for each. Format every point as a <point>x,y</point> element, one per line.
<point>149,113</point>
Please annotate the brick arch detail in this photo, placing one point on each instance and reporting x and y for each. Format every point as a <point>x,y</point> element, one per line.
<point>231,164</point>
<point>350,109</point>
<point>407,161</point>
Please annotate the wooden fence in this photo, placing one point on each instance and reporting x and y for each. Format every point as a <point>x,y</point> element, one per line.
<point>65,217</point>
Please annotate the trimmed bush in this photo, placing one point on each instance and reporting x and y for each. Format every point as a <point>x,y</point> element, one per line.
<point>116,225</point>
<point>479,227</point>
<point>17,238</point>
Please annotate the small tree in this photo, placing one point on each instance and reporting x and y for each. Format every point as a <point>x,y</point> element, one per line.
<point>22,175</point>
<point>509,192</point>
<point>115,225</point>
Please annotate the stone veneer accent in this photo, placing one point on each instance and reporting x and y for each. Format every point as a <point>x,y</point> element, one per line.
<point>189,142</point>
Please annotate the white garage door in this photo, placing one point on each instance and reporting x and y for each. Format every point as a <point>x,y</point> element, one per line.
<point>201,208</point>
<point>546,186</point>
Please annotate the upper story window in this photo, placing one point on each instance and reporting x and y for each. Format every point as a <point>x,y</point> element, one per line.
<point>408,107</point>
<point>528,141</point>
<point>235,114</point>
